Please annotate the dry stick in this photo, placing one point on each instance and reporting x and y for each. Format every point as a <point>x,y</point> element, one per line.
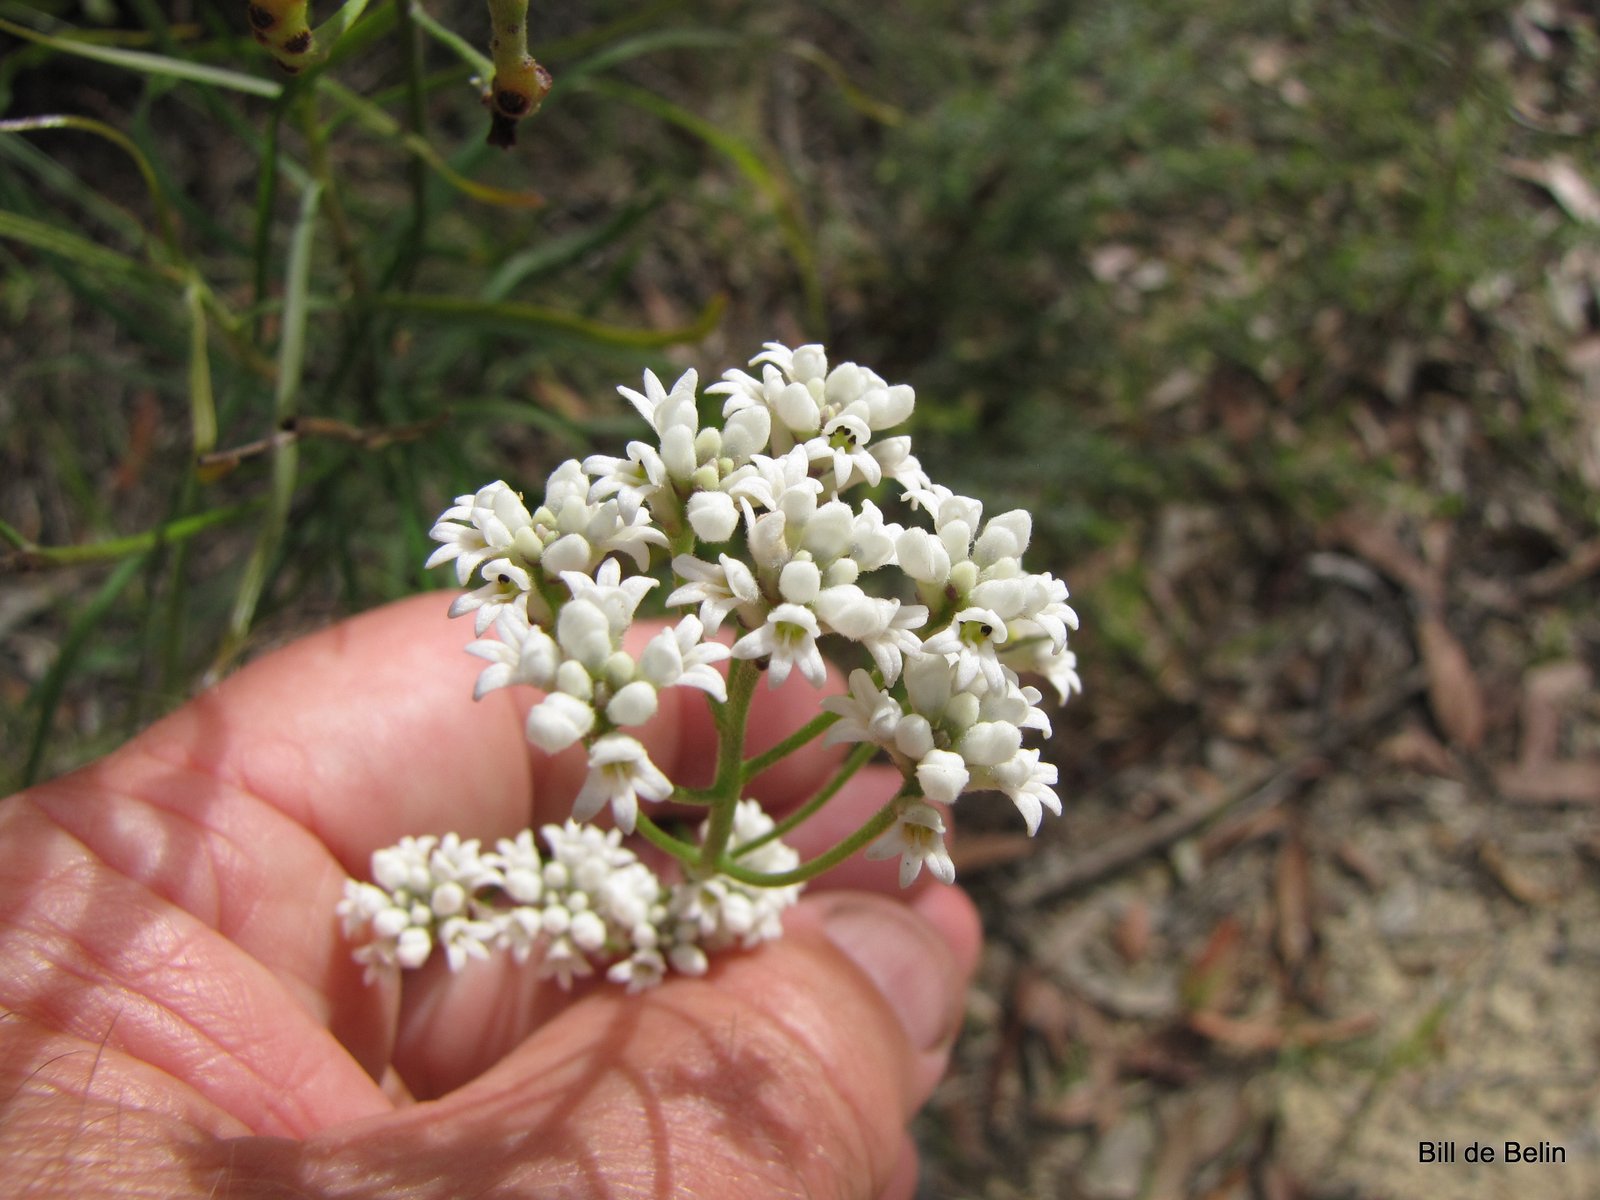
<point>1124,850</point>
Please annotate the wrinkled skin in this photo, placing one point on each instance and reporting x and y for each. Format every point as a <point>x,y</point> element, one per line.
<point>181,1016</point>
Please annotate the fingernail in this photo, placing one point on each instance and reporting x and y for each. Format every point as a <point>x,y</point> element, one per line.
<point>907,960</point>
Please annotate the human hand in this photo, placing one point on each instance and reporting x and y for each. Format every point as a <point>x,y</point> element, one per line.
<point>182,1015</point>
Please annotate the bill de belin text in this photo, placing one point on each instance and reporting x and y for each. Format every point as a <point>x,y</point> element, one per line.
<point>1487,1152</point>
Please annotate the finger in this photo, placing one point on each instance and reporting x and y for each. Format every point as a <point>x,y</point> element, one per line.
<point>903,1183</point>
<point>91,958</point>
<point>785,1071</point>
<point>228,808</point>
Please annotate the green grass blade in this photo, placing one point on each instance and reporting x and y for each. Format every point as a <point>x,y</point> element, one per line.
<point>564,324</point>
<point>202,403</point>
<point>27,554</point>
<point>52,177</point>
<point>46,237</point>
<point>331,30</point>
<point>285,454</point>
<point>46,694</point>
<point>144,63</point>
<point>476,59</point>
<point>372,118</point>
<point>158,198</point>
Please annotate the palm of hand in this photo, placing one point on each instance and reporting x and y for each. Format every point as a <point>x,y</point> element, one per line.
<point>182,1015</point>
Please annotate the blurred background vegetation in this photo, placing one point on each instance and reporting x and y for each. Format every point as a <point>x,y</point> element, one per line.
<point>1209,288</point>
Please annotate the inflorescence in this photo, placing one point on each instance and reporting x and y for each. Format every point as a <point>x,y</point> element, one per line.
<point>755,523</point>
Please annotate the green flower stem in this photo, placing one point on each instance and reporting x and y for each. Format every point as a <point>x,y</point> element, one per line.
<point>789,745</point>
<point>731,718</point>
<point>658,837</point>
<point>694,796</point>
<point>859,757</point>
<point>875,826</point>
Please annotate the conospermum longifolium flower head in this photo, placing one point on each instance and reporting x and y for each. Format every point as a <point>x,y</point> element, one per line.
<point>800,528</point>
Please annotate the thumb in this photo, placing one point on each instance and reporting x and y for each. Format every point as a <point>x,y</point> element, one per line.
<point>788,1071</point>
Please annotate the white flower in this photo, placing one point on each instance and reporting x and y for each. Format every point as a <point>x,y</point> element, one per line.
<point>1059,667</point>
<point>613,595</point>
<point>717,589</point>
<point>678,658</point>
<point>718,911</point>
<point>642,969</point>
<point>790,638</point>
<point>922,556</point>
<point>522,654</point>
<point>506,587</point>
<point>563,961</point>
<point>480,527</point>
<point>842,446</point>
<point>917,836</point>
<point>662,409</point>
<point>781,483</point>
<point>1016,706</point>
<point>1029,783</point>
<point>464,938</point>
<point>634,481</point>
<point>882,626</point>
<point>866,713</point>
<point>521,869</point>
<point>899,464</point>
<point>872,539</point>
<point>558,721</point>
<point>972,638</point>
<point>576,533</point>
<point>620,771</point>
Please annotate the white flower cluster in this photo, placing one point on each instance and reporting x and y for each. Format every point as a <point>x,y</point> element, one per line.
<point>588,903</point>
<point>761,523</point>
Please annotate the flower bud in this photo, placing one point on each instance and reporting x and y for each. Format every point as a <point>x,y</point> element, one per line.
<point>572,679</point>
<point>618,669</point>
<point>569,553</point>
<point>713,516</point>
<point>558,721</point>
<point>677,452</point>
<point>797,409</point>
<point>840,572</point>
<point>913,737</point>
<point>942,775</point>
<point>800,581</point>
<point>990,743</point>
<point>964,576</point>
<point>962,711</point>
<point>633,705</point>
<point>922,556</point>
<point>747,432</point>
<point>413,948</point>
